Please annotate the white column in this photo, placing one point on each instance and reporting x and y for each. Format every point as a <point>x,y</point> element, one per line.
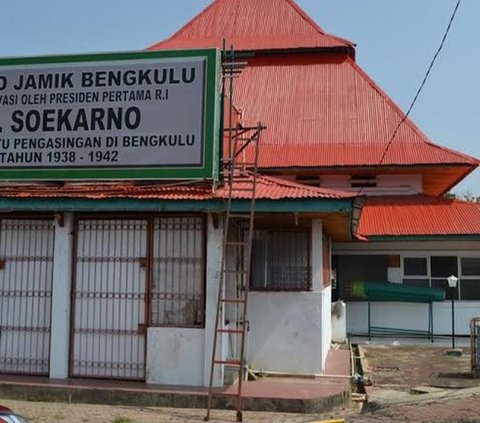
<point>214,261</point>
<point>62,282</point>
<point>317,255</point>
<point>317,285</point>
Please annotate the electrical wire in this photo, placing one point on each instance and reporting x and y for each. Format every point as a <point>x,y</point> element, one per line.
<point>420,89</point>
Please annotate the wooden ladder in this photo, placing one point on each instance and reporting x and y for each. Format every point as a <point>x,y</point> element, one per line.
<point>240,175</point>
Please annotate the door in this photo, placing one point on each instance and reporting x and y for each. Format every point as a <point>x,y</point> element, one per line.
<point>26,273</point>
<point>109,298</point>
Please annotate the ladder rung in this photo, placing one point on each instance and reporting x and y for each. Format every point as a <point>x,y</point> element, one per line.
<point>232,300</point>
<point>231,331</point>
<point>234,243</point>
<point>243,189</point>
<point>241,165</point>
<point>240,216</point>
<point>242,180</point>
<point>229,362</point>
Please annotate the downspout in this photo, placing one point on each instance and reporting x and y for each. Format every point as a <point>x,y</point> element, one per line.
<point>357,208</point>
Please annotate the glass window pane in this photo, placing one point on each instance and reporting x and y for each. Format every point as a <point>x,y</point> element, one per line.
<point>416,282</point>
<point>470,266</point>
<point>443,266</point>
<point>443,284</point>
<point>470,289</point>
<point>415,266</point>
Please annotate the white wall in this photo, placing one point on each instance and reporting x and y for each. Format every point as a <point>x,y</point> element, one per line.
<point>386,184</point>
<point>285,331</point>
<point>399,184</point>
<point>412,316</point>
<point>214,261</point>
<point>175,356</point>
<point>61,287</point>
<point>291,331</point>
<point>179,356</point>
<point>405,315</point>
<point>326,317</point>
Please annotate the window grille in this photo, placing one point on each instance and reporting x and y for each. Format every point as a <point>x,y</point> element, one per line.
<point>281,260</point>
<point>176,295</point>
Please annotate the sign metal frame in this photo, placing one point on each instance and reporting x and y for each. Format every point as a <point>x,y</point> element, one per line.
<point>208,170</point>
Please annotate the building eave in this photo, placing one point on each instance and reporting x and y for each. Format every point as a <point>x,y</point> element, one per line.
<point>419,238</point>
<point>154,205</point>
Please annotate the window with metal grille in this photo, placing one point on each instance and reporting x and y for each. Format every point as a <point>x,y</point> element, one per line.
<point>177,288</point>
<point>281,261</point>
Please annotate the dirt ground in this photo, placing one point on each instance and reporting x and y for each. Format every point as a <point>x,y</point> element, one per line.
<point>451,395</point>
<point>74,413</point>
<point>419,384</point>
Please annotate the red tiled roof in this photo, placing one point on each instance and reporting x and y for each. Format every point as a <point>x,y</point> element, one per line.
<point>418,215</point>
<point>252,25</point>
<point>323,110</point>
<point>268,188</point>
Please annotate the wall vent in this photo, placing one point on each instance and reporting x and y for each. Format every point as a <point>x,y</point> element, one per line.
<point>311,180</point>
<point>363,181</point>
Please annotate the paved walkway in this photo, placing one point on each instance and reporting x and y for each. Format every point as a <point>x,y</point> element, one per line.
<point>281,394</point>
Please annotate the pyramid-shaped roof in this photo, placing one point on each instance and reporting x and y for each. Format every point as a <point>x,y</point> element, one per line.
<point>321,110</point>
<point>324,110</point>
<point>252,25</point>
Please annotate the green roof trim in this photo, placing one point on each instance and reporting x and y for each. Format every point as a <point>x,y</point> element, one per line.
<point>466,237</point>
<point>153,205</point>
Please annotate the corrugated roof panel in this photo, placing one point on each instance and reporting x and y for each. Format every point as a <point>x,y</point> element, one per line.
<point>321,110</point>
<point>252,25</point>
<point>418,215</point>
<point>324,111</point>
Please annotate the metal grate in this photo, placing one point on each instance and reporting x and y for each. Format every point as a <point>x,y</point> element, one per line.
<point>281,260</point>
<point>26,273</point>
<point>110,299</point>
<point>176,296</point>
<point>475,346</point>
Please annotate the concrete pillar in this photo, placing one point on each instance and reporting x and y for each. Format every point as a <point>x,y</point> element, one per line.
<point>62,282</point>
<point>317,286</point>
<point>317,255</point>
<point>214,262</point>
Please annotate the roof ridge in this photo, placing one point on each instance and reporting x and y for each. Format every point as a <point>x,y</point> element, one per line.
<point>235,4</point>
<point>188,24</point>
<point>385,96</point>
<point>455,152</point>
<point>304,15</point>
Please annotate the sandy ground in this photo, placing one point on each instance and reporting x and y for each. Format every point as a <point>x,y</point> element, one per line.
<point>74,413</point>
<point>464,410</point>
